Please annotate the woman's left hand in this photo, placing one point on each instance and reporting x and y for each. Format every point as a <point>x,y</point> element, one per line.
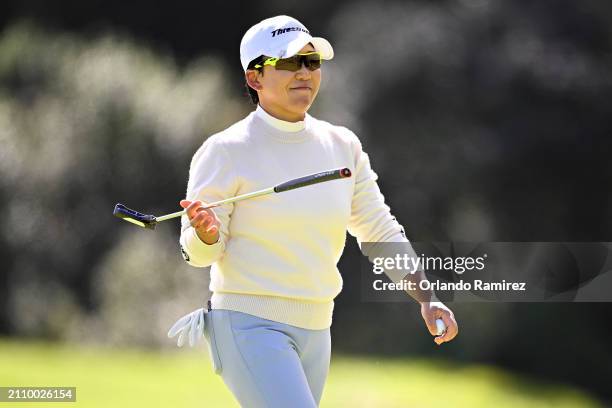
<point>437,310</point>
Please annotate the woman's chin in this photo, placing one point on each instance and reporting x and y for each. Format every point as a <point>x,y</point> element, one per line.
<point>301,104</point>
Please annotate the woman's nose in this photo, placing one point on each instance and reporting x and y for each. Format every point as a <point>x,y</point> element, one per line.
<point>303,71</point>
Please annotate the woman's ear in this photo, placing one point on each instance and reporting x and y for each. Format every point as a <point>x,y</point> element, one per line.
<point>252,79</point>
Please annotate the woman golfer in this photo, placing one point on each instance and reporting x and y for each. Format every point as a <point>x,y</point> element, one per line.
<point>274,275</point>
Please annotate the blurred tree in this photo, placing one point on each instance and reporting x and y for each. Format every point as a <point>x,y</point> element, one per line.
<point>85,124</point>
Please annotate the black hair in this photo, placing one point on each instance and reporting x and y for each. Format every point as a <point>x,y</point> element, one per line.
<point>252,92</point>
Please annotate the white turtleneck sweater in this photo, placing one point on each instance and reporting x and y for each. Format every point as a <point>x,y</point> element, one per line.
<point>277,254</point>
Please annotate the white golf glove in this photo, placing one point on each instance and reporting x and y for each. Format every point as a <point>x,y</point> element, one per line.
<point>192,325</point>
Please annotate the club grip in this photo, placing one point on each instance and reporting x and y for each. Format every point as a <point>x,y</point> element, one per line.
<point>313,179</point>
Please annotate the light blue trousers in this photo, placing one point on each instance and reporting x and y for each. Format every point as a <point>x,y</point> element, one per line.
<point>265,363</point>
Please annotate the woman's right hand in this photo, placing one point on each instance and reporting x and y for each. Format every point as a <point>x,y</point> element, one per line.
<point>204,220</point>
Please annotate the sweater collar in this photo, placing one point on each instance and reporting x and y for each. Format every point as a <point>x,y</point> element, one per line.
<point>280,124</point>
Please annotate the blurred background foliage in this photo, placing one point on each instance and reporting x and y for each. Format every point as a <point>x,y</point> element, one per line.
<point>485,120</point>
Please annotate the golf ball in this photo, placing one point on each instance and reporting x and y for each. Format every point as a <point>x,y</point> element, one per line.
<point>440,327</point>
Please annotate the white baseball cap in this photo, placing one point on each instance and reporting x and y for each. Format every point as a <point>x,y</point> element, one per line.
<point>281,37</point>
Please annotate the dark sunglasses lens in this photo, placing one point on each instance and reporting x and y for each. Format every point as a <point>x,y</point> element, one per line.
<point>313,62</point>
<point>288,64</point>
<point>294,63</point>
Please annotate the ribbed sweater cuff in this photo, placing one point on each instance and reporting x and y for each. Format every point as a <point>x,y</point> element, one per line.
<point>296,312</point>
<point>200,253</point>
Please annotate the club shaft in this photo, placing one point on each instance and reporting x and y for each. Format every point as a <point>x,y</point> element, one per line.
<point>221,202</point>
<point>286,186</point>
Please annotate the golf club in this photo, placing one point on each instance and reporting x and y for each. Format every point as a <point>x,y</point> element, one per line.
<point>149,221</point>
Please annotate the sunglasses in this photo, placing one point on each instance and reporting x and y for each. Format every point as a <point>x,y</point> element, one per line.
<point>312,60</point>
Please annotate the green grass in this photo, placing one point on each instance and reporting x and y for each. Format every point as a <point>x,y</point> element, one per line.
<point>184,378</point>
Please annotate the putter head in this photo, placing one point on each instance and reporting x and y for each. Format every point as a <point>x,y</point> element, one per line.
<point>140,219</point>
